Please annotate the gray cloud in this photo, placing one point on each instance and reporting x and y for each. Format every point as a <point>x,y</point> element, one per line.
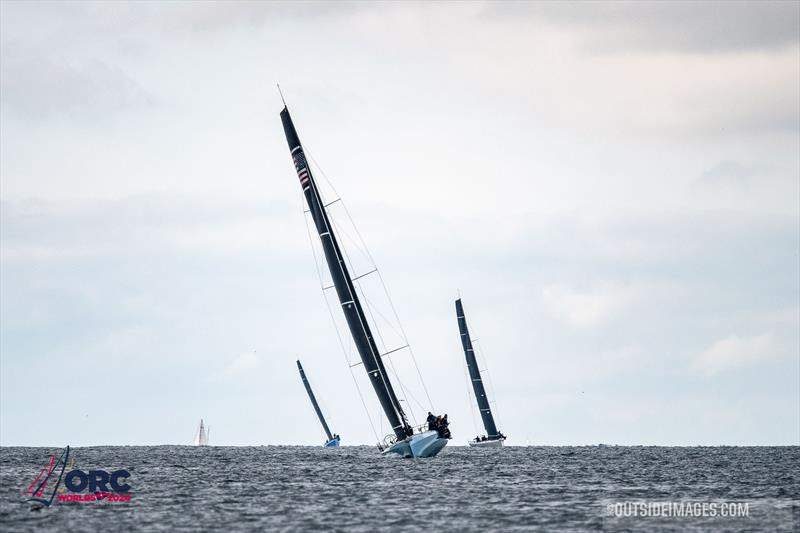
<point>169,288</point>
<point>557,189</point>
<point>727,172</point>
<point>710,26</point>
<point>115,20</point>
<point>220,16</point>
<point>40,86</point>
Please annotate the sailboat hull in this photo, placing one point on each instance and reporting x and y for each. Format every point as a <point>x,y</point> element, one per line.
<point>333,443</point>
<point>426,444</point>
<point>498,443</point>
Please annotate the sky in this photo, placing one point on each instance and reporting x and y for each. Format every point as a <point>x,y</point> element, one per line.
<point>612,188</point>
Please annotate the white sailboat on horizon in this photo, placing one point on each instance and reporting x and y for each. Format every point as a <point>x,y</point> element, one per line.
<point>201,436</point>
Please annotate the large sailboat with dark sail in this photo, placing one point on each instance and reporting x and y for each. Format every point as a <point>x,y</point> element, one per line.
<point>404,440</point>
<point>493,437</point>
<point>333,439</point>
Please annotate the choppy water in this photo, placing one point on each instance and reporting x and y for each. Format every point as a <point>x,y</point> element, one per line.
<point>283,488</point>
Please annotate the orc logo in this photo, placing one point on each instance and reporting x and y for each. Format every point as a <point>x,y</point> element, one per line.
<point>99,484</point>
<point>38,489</point>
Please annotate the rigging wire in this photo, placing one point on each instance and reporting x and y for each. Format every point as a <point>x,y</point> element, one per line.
<point>371,307</point>
<point>469,399</point>
<point>398,409</point>
<point>338,334</point>
<point>402,347</point>
<point>488,379</point>
<point>391,360</point>
<point>380,277</point>
<point>377,329</point>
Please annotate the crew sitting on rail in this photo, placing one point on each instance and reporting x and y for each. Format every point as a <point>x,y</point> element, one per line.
<point>441,427</point>
<point>431,421</point>
<point>438,424</point>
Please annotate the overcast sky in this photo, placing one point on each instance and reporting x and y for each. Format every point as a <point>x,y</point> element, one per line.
<point>614,189</point>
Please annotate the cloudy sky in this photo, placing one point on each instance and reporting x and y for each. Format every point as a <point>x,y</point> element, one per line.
<point>612,187</point>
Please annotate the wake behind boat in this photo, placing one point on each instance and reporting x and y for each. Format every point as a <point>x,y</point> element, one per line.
<point>493,437</point>
<point>404,441</point>
<point>333,439</point>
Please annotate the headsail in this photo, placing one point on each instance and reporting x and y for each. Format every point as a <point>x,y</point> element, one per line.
<point>345,290</point>
<point>475,375</point>
<point>201,437</point>
<point>314,401</point>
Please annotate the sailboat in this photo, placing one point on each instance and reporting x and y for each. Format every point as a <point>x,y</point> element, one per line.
<point>333,439</point>
<point>493,437</point>
<point>201,437</point>
<point>404,441</point>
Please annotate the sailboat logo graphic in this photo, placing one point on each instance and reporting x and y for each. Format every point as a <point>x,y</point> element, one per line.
<point>43,489</point>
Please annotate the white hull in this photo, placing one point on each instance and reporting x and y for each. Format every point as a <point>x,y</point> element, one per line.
<point>487,443</point>
<point>425,444</point>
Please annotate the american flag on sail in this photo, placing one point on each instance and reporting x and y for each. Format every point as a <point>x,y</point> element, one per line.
<point>301,166</point>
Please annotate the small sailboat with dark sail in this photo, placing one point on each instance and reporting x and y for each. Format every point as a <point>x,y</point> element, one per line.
<point>405,440</point>
<point>493,437</point>
<point>333,439</point>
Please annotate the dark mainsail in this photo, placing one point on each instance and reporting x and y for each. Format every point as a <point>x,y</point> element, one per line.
<point>314,401</point>
<point>351,305</point>
<point>475,375</point>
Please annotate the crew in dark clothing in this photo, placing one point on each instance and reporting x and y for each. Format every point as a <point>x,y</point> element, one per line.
<point>431,421</point>
<point>445,431</point>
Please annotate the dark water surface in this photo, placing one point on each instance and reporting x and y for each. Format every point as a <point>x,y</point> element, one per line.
<point>287,488</point>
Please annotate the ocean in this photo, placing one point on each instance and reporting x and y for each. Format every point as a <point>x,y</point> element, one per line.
<point>297,488</point>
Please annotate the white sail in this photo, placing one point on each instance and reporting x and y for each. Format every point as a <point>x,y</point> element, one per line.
<point>201,437</point>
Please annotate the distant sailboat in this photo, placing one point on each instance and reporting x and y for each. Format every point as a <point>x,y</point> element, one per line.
<point>201,437</point>
<point>493,437</point>
<point>333,439</point>
<point>404,441</point>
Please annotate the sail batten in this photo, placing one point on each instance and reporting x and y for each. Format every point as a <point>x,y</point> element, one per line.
<point>314,401</point>
<point>475,375</point>
<point>345,290</point>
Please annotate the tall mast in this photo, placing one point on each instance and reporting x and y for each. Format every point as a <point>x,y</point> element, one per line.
<point>351,305</point>
<point>475,374</point>
<point>314,401</point>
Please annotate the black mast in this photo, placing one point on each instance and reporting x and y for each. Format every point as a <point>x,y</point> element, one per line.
<point>475,375</point>
<point>314,401</point>
<point>351,305</point>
